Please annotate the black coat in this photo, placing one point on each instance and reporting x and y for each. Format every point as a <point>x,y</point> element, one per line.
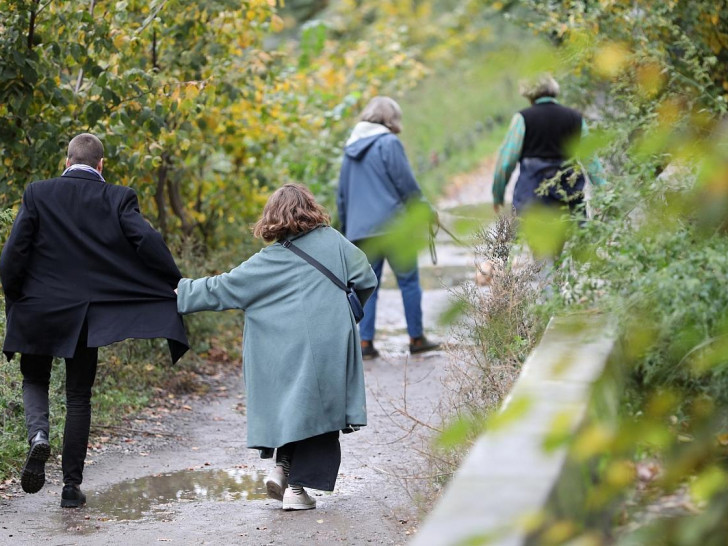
<point>80,250</point>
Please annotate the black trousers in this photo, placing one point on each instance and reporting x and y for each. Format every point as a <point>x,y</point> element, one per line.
<point>314,461</point>
<point>80,376</point>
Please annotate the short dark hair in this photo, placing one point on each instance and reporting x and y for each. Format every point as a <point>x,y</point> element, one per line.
<point>292,209</point>
<point>85,149</point>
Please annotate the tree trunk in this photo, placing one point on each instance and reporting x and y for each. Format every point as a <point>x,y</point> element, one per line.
<point>177,205</point>
<point>79,80</point>
<point>31,24</point>
<point>159,195</point>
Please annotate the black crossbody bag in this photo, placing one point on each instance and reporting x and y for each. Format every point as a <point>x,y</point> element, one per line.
<point>354,302</point>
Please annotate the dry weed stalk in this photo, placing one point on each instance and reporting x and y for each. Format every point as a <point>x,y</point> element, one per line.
<point>494,335</point>
<point>490,341</point>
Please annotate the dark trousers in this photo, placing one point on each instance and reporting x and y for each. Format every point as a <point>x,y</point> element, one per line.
<point>314,461</point>
<point>80,375</point>
<point>566,191</point>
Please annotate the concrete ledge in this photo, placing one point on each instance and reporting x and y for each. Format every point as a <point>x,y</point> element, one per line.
<point>508,477</point>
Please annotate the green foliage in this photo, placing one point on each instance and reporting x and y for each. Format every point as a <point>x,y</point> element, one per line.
<point>194,111</point>
<point>652,78</point>
<point>653,254</point>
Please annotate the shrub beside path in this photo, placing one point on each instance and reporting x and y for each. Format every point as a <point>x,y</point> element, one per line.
<point>186,477</point>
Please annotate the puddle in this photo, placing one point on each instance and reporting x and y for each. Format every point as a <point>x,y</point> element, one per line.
<point>151,496</point>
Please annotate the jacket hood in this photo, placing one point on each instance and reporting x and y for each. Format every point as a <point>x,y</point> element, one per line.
<point>362,137</point>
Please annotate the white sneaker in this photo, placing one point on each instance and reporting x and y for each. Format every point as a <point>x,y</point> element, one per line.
<point>276,483</point>
<point>297,501</point>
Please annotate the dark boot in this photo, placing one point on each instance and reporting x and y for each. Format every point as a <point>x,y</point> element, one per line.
<point>72,496</point>
<point>422,344</point>
<point>32,477</point>
<point>368,352</point>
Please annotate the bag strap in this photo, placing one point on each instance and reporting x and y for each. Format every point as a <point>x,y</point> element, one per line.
<point>318,265</point>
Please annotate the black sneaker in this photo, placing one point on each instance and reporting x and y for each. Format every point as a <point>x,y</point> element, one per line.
<point>32,476</point>
<point>422,344</point>
<point>368,352</point>
<point>72,496</point>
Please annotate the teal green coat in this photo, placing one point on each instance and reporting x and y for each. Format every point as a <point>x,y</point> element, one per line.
<point>301,352</point>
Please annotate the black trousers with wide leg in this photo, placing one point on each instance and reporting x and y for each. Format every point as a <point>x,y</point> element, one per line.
<point>314,461</point>
<point>80,376</point>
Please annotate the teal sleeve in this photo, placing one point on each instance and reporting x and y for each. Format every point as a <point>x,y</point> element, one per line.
<point>508,156</point>
<point>360,274</point>
<point>218,293</point>
<point>593,167</point>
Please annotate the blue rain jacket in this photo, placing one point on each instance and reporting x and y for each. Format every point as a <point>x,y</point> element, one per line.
<point>375,182</point>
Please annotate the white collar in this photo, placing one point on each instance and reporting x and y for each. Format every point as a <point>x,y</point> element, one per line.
<point>82,167</point>
<point>365,129</point>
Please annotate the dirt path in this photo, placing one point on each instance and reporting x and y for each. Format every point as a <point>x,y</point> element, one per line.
<point>190,479</point>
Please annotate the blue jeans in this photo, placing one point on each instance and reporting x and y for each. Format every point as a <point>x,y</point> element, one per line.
<point>409,286</point>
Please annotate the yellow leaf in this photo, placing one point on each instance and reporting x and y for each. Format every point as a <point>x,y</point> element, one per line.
<point>611,59</point>
<point>620,473</point>
<point>191,90</point>
<point>708,483</point>
<point>276,23</point>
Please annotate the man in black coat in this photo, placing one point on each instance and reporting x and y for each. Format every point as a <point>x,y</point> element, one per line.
<point>81,269</point>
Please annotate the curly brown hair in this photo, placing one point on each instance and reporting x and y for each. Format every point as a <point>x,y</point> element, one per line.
<point>290,210</point>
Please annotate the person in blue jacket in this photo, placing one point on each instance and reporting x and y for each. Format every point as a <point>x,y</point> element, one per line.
<point>375,184</point>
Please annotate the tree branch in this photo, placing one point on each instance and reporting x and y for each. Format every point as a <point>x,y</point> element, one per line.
<point>159,195</point>
<point>155,64</point>
<point>31,24</point>
<point>177,205</point>
<point>44,6</point>
<point>79,81</point>
<point>152,17</point>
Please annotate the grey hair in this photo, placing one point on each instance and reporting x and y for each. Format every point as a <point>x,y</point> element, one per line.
<point>385,111</point>
<point>543,86</point>
<point>85,149</point>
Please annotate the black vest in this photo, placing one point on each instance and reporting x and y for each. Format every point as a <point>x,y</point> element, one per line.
<point>550,128</point>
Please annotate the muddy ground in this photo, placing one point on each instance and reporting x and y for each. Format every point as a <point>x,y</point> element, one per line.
<point>185,476</point>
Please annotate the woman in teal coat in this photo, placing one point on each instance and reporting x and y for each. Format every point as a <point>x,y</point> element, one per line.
<point>302,361</point>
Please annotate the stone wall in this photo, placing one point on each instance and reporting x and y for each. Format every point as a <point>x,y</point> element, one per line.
<point>518,471</point>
